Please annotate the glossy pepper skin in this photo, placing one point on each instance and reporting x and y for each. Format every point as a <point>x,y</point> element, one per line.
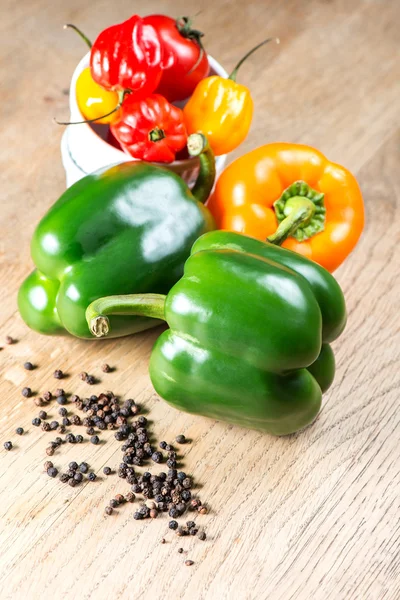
<point>94,101</point>
<point>128,228</point>
<point>245,200</point>
<point>221,109</point>
<point>128,56</point>
<point>150,128</point>
<point>250,328</point>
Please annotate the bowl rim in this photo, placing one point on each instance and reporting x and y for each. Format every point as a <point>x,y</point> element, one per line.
<point>95,137</point>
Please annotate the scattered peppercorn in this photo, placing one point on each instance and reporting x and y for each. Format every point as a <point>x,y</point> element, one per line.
<point>157,457</point>
<point>78,477</point>
<point>45,426</point>
<point>90,430</point>
<point>64,478</point>
<point>92,476</point>
<point>189,563</point>
<point>19,431</point>
<point>72,482</point>
<point>8,445</point>
<point>50,451</point>
<point>38,401</point>
<point>73,466</point>
<point>47,396</point>
<point>61,400</point>
<point>107,471</point>
<point>173,512</point>
<point>90,380</point>
<point>95,439</point>
<point>52,472</point>
<point>58,374</point>
<point>62,412</point>
<point>61,429</point>
<point>70,438</point>
<point>36,422</point>
<point>79,439</point>
<point>202,510</point>
<point>163,540</point>
<point>9,340</point>
<point>180,439</point>
<point>28,366</point>
<point>54,425</point>
<point>180,550</point>
<point>163,445</point>
<point>83,375</point>
<point>47,465</point>
<point>137,516</point>
<point>108,510</point>
<point>83,467</point>
<point>130,497</point>
<point>42,414</point>
<point>202,536</point>
<point>106,368</point>
<point>27,392</point>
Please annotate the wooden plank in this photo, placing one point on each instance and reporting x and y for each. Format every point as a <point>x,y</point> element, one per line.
<point>314,515</point>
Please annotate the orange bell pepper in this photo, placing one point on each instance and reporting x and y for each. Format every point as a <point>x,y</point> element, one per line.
<point>292,195</point>
<point>221,109</point>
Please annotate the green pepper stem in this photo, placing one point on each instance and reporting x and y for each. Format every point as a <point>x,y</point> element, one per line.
<point>144,305</point>
<point>234,73</point>
<point>198,145</point>
<point>121,98</point>
<point>79,32</point>
<point>298,210</point>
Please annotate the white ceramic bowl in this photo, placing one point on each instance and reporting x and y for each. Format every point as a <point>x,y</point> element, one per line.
<point>84,148</point>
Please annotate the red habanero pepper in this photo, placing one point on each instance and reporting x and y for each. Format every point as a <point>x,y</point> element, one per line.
<point>128,56</point>
<point>150,129</point>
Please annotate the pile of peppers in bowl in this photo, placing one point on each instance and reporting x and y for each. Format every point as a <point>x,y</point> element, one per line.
<point>139,68</point>
<point>239,269</point>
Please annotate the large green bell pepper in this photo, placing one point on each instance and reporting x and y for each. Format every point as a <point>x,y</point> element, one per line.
<point>122,230</point>
<point>250,327</point>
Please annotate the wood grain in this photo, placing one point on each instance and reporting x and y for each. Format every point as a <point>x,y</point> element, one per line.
<point>314,515</point>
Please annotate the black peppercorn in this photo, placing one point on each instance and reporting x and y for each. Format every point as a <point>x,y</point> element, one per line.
<point>190,524</point>
<point>75,398</point>
<point>202,536</point>
<point>163,445</point>
<point>142,421</point>
<point>173,525</point>
<point>157,457</point>
<point>171,462</point>
<point>182,531</point>
<point>54,425</point>
<point>36,422</point>
<point>47,465</point>
<point>136,488</point>
<point>72,482</point>
<point>181,476</point>
<point>107,471</point>
<point>189,563</point>
<point>105,368</point>
<point>193,531</point>
<point>50,451</point>
<point>58,441</point>
<point>45,426</point>
<point>59,392</point>
<point>130,497</point>
<point>19,431</point>
<point>83,376</point>
<point>108,510</point>
<point>186,495</point>
<point>8,445</point>
<point>90,430</point>
<point>195,503</point>
<point>180,439</point>
<point>173,512</point>
<point>61,400</point>
<point>38,401</point>
<point>58,374</point>
<point>47,396</point>
<point>79,439</point>
<point>27,392</point>
<point>137,516</point>
<point>70,438</point>
<point>42,414</point>
<point>73,465</point>
<point>64,478</point>
<point>120,499</point>
<point>52,472</point>
<point>95,439</point>
<point>83,467</point>
<point>187,483</point>
<point>90,380</point>
<point>62,412</point>
<point>61,429</point>
<point>78,477</point>
<point>92,476</point>
<point>28,366</point>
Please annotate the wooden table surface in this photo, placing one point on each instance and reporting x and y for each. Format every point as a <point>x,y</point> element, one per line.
<point>310,516</point>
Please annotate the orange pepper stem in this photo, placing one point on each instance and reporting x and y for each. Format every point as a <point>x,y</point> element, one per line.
<point>79,32</point>
<point>300,212</point>
<point>198,145</point>
<point>233,75</point>
<point>121,96</point>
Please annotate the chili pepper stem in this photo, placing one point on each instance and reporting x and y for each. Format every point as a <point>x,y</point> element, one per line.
<point>299,211</point>
<point>148,305</point>
<point>198,145</point>
<point>121,96</point>
<point>79,32</point>
<point>234,73</point>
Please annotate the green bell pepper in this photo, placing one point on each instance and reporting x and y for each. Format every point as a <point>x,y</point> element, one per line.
<point>250,327</point>
<point>122,230</point>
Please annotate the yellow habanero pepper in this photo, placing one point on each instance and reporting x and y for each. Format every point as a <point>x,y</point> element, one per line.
<point>221,109</point>
<point>94,102</point>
